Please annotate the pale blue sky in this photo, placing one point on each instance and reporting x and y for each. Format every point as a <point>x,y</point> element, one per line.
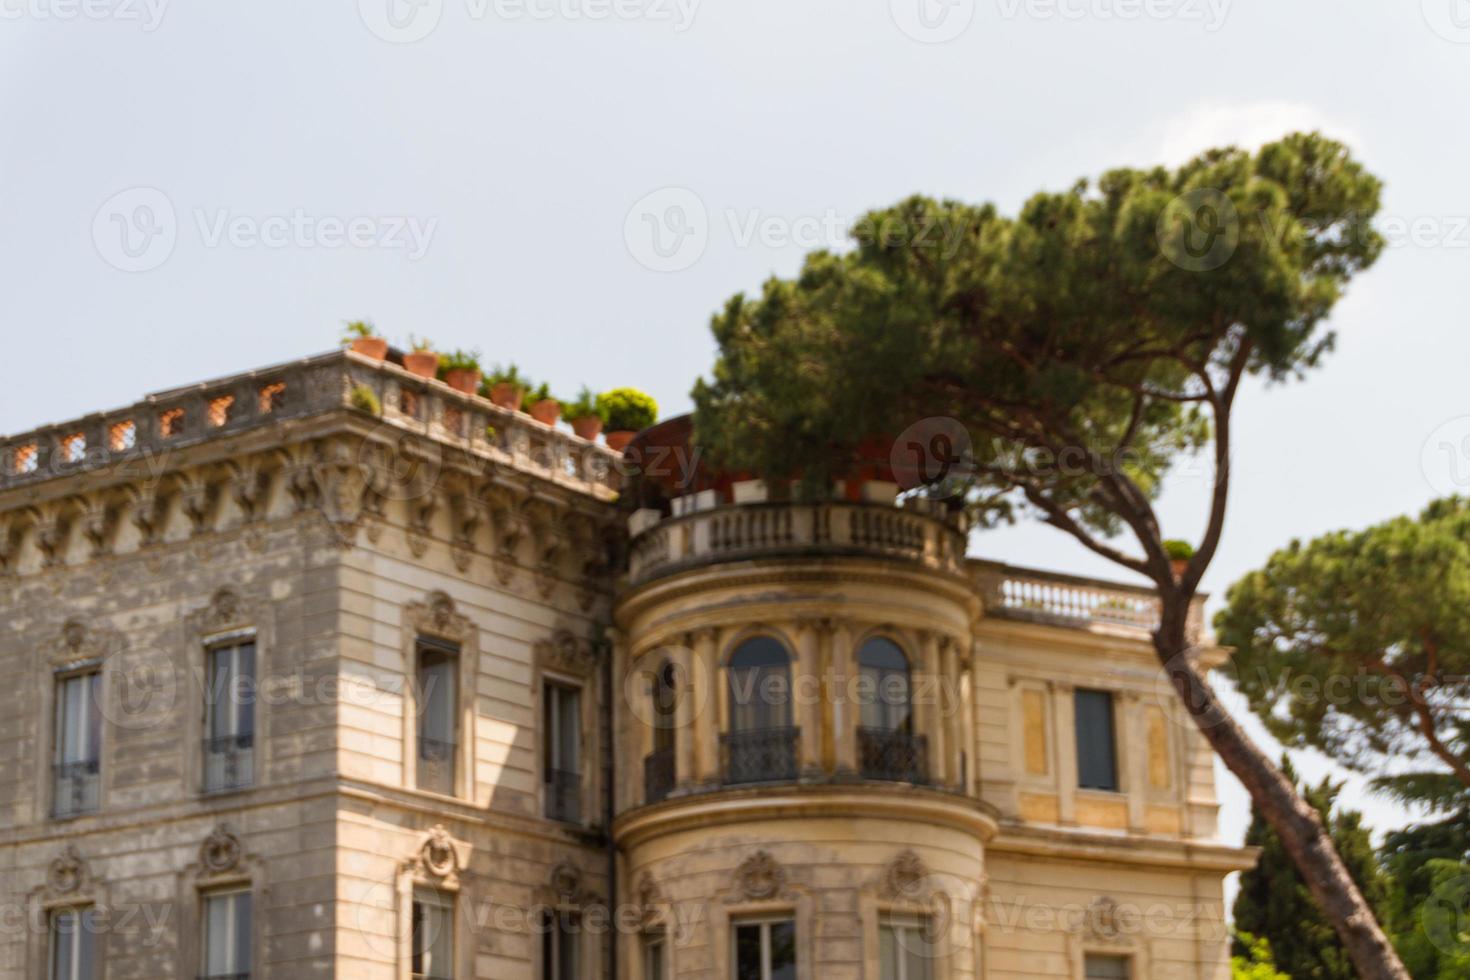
<point>499,160</point>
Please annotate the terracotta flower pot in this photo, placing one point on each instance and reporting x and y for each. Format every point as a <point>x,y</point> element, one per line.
<point>546,411</point>
<point>466,380</point>
<point>507,395</point>
<point>588,427</point>
<point>374,347</point>
<point>424,363</point>
<point>618,441</point>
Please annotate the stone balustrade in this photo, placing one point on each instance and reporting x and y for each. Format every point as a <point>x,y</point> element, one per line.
<point>765,530</point>
<point>169,421</point>
<point>1055,599</point>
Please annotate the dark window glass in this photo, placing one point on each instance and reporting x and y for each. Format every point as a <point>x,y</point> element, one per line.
<point>886,699</point>
<point>1096,749</point>
<point>760,685</point>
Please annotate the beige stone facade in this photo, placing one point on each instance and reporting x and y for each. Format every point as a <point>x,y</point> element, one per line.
<point>587,758</point>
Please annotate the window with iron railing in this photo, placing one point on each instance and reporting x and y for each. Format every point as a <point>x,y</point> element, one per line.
<point>78,751</point>
<point>438,716</point>
<point>563,751</point>
<point>888,749</point>
<point>761,743</point>
<point>227,928</point>
<point>229,717</point>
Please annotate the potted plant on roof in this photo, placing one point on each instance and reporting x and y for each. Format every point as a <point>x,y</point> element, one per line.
<point>544,408</point>
<point>627,411</point>
<point>421,359</point>
<point>461,370</point>
<point>506,387</point>
<point>585,416</point>
<point>361,338</point>
<point>1179,553</point>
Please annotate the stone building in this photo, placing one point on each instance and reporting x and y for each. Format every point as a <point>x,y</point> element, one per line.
<point>305,683</point>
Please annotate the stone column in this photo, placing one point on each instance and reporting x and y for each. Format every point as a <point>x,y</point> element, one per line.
<point>806,693</point>
<point>948,690</point>
<point>624,742</point>
<point>682,657</point>
<point>1132,752</point>
<point>845,714</point>
<point>1065,740</point>
<point>706,733</point>
<point>929,707</point>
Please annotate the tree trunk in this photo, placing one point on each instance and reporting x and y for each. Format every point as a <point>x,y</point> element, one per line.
<point>1294,820</point>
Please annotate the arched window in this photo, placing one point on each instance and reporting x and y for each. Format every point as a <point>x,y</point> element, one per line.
<point>761,743</point>
<point>760,685</point>
<point>887,746</point>
<point>659,767</point>
<point>887,693</point>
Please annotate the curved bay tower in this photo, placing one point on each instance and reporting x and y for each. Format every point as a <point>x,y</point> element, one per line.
<point>299,689</point>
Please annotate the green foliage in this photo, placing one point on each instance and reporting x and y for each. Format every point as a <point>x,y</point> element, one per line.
<point>541,393</point>
<point>467,360</point>
<point>1275,905</point>
<point>508,374</point>
<point>363,399</point>
<point>1425,866</point>
<point>1352,642</point>
<point>627,409</point>
<point>416,343</point>
<point>358,330</point>
<point>1255,963</point>
<point>1078,342</point>
<point>585,406</point>
<point>1178,550</point>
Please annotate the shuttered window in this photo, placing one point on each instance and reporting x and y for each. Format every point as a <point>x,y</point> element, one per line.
<point>1097,765</point>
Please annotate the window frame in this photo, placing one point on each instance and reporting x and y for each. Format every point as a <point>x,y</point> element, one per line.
<point>898,924</point>
<point>61,678</point>
<point>1109,697</point>
<point>765,922</point>
<point>655,953</point>
<point>53,937</point>
<point>235,641</point>
<point>234,891</point>
<point>552,938</point>
<point>551,741</point>
<point>424,896</point>
<point>453,653</point>
<point>1129,960</point>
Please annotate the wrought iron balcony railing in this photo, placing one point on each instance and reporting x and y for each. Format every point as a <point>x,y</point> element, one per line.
<point>896,756</point>
<point>76,789</point>
<point>436,765</point>
<point>760,755</point>
<point>564,795</point>
<point>229,762</point>
<point>658,775</point>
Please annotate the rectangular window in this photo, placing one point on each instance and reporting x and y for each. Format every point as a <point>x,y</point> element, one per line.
<point>905,950</point>
<point>438,731</point>
<point>78,752</point>
<point>1107,967</point>
<point>70,949</point>
<point>1097,766</point>
<point>559,934</point>
<point>765,950</point>
<point>227,931</point>
<point>563,752</point>
<point>229,717</point>
<point>654,950</point>
<point>433,935</point>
